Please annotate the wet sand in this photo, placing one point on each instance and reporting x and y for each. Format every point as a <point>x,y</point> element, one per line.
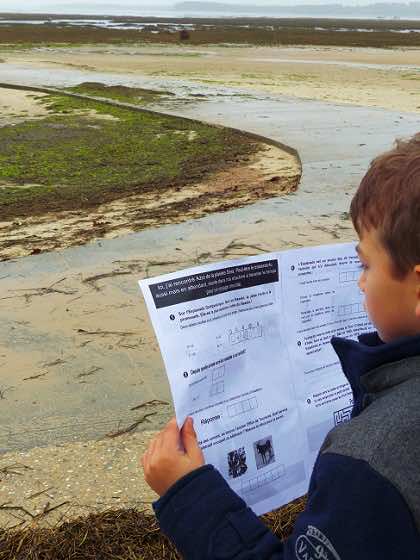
<point>387,78</point>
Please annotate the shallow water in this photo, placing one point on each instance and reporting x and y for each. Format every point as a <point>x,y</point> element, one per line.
<point>372,66</point>
<point>26,74</point>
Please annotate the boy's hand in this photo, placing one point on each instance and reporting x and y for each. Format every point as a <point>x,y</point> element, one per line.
<point>165,461</point>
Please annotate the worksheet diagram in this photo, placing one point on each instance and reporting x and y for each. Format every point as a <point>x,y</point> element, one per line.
<point>220,343</point>
<point>348,302</point>
<point>263,479</point>
<point>334,302</point>
<point>217,377</point>
<point>214,381</point>
<point>245,333</point>
<point>347,276</point>
<point>350,309</point>
<point>243,406</point>
<point>191,351</point>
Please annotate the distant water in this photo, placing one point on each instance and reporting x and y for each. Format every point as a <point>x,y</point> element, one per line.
<point>119,18</point>
<point>122,9</point>
<point>173,26</point>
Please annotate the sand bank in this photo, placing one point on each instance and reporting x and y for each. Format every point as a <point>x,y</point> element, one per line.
<point>18,106</point>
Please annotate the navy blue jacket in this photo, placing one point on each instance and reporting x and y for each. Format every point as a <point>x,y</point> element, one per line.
<point>359,506</point>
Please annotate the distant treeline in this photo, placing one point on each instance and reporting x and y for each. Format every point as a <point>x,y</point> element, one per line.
<point>378,9</point>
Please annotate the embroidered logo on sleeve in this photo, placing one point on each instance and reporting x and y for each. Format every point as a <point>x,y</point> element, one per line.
<point>314,546</point>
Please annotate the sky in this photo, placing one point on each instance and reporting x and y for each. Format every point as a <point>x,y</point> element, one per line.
<point>74,5</point>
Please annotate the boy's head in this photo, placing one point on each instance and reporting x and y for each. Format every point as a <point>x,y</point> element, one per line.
<point>386,215</point>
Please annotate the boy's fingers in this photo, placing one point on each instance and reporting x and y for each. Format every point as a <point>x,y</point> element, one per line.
<point>152,446</point>
<point>158,442</point>
<point>170,435</point>
<point>189,439</point>
<point>171,425</point>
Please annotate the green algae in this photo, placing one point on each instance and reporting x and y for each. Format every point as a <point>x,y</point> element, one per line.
<point>87,152</point>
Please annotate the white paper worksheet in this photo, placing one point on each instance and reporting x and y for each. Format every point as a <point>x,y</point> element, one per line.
<point>246,346</point>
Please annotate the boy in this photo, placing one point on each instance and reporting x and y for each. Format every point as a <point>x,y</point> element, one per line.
<point>364,494</point>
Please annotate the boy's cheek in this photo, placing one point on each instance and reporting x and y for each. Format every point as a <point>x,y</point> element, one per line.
<point>362,281</point>
<point>369,308</point>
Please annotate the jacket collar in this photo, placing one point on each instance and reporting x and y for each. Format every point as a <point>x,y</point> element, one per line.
<point>365,364</point>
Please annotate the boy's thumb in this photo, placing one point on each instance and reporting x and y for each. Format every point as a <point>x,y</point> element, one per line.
<point>189,439</point>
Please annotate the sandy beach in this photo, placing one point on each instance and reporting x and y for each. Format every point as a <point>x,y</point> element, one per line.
<point>78,358</point>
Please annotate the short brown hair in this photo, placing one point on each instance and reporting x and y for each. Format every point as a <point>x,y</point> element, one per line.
<point>388,200</point>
